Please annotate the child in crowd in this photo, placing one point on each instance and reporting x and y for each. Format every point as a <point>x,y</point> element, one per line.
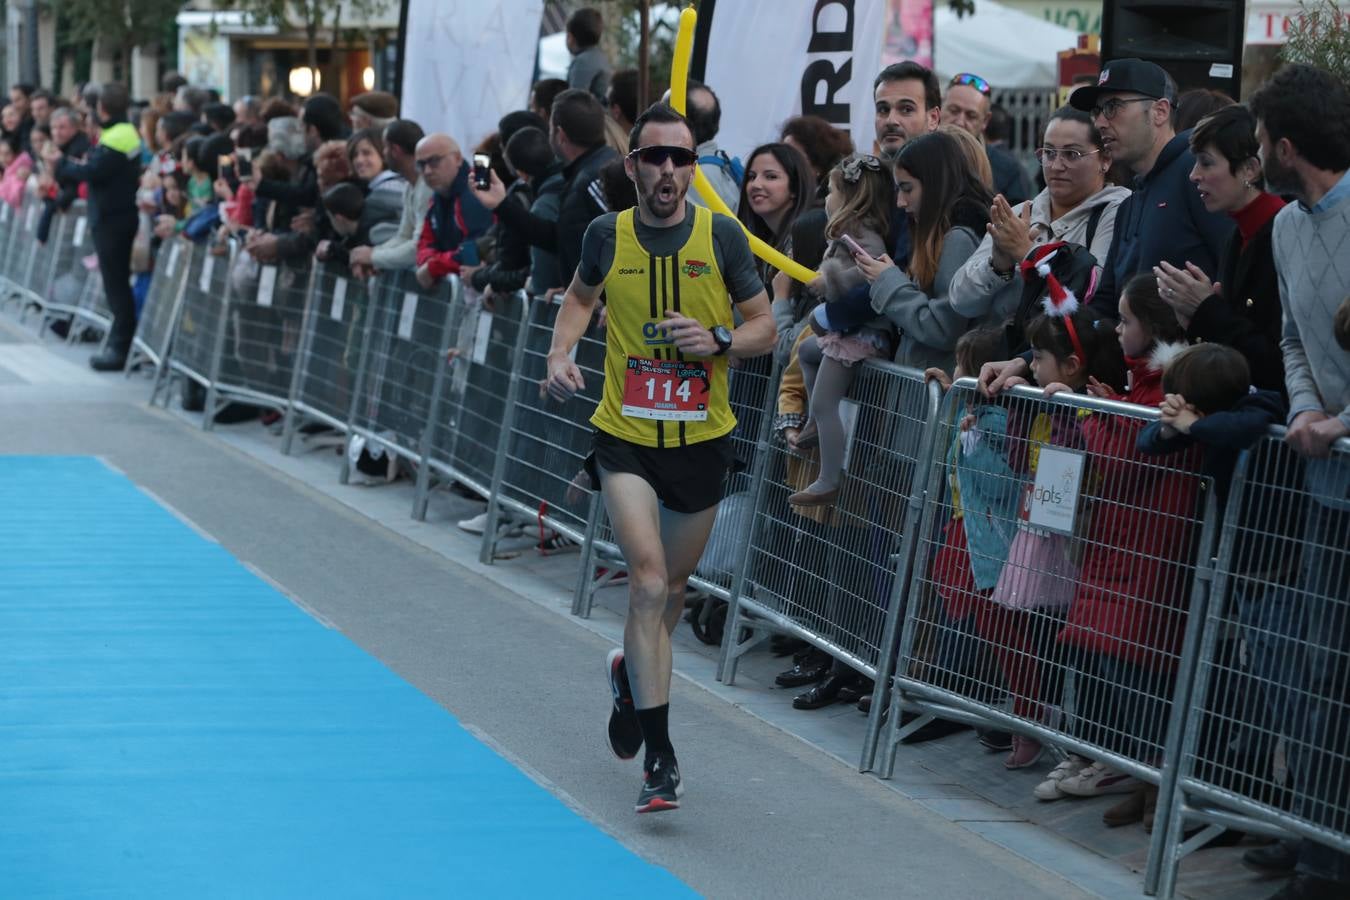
<point>1209,403</point>
<point>17,166</point>
<point>1128,615</point>
<point>859,207</point>
<point>1071,351</point>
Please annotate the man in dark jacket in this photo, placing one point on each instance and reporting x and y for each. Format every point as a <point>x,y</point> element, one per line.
<point>69,136</point>
<point>113,174</point>
<point>577,133</point>
<point>1164,219</point>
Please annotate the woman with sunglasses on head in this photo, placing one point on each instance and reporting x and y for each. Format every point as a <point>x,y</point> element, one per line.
<point>1240,309</point>
<point>948,208</point>
<point>1076,206</point>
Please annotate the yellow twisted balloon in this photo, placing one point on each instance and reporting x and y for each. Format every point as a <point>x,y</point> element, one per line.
<point>679,87</point>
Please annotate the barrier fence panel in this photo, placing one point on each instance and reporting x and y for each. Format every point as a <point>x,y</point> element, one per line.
<point>38,275</point>
<point>159,315</point>
<point>404,368</point>
<point>200,317</point>
<point>329,352</point>
<point>828,574</point>
<point>264,312</point>
<point>544,443</point>
<point>11,225</point>
<point>467,428</point>
<point>1266,747</point>
<point>77,269</point>
<point>1052,578</point>
<point>25,254</point>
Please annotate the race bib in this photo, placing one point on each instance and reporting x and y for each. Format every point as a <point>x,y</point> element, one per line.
<point>666,389</point>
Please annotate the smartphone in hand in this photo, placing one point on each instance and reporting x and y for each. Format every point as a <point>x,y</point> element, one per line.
<point>853,246</point>
<point>482,171</point>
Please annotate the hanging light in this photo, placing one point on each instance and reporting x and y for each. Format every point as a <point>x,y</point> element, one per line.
<point>368,78</point>
<point>303,80</point>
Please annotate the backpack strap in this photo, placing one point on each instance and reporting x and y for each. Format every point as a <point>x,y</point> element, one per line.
<point>1094,217</point>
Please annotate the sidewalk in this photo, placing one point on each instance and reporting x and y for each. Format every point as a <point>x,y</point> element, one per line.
<point>952,778</point>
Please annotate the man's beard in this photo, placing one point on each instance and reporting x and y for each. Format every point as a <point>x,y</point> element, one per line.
<point>659,201</point>
<point>1280,179</point>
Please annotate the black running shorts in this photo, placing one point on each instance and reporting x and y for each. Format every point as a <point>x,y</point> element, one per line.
<point>686,479</point>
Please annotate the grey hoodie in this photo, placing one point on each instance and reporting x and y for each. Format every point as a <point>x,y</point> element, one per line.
<point>977,292</point>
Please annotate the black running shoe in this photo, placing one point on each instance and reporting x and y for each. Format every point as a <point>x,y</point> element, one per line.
<point>661,787</point>
<point>625,733</point>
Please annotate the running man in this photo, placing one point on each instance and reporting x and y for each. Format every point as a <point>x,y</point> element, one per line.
<point>670,271</point>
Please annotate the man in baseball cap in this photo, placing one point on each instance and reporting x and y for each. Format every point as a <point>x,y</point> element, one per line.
<point>1131,105</point>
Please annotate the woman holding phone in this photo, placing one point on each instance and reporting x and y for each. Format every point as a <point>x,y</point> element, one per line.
<point>948,209</point>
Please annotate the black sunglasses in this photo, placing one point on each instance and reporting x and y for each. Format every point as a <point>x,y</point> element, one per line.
<point>656,155</point>
<point>974,81</point>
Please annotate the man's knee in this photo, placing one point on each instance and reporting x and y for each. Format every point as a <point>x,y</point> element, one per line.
<point>647,589</point>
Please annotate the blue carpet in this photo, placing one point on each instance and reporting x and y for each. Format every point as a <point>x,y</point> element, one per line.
<point>172,726</point>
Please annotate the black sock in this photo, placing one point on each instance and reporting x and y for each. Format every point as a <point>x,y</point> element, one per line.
<point>656,729</point>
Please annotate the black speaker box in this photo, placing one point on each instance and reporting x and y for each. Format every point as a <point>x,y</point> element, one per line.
<point>1199,42</point>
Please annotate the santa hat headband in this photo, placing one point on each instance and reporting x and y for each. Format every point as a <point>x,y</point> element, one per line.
<point>1059,301</point>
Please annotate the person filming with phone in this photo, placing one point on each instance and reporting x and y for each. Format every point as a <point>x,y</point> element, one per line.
<point>455,218</point>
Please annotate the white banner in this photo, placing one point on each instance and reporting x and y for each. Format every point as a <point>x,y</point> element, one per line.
<point>817,57</point>
<point>467,63</point>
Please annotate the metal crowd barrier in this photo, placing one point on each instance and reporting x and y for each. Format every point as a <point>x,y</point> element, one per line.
<point>199,331</point>
<point>259,334</point>
<point>76,271</point>
<point>467,425</point>
<point>402,369</point>
<point>159,315</point>
<point>35,271</point>
<point>1056,604</point>
<point>1266,743</point>
<point>830,575</point>
<point>539,467</point>
<point>1011,562</point>
<point>329,353</point>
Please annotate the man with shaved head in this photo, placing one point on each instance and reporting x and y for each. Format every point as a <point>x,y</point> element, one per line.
<point>455,215</point>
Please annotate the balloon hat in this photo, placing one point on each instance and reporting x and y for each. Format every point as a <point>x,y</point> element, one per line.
<point>679,89</point>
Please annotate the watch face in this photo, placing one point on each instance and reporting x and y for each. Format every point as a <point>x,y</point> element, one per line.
<point>722,335</point>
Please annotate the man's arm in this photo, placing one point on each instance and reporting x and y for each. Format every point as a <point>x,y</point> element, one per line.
<point>564,375</point>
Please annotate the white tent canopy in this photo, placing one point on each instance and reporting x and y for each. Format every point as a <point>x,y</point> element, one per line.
<point>1005,46</point>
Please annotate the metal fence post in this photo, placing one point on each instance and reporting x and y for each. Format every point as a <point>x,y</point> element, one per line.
<point>301,367</point>
<point>732,648</point>
<point>487,550</point>
<point>888,659</point>
<point>454,309</point>
<point>218,351</point>
<point>373,306</point>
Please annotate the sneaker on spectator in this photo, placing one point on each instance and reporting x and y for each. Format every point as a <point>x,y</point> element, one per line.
<point>1049,789</point>
<point>552,542</point>
<point>1097,780</point>
<point>474,525</point>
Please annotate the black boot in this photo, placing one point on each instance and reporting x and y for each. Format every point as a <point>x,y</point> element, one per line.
<point>825,693</point>
<point>809,668</point>
<point>110,360</point>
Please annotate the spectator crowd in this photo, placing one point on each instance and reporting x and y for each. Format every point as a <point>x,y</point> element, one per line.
<point>1193,252</point>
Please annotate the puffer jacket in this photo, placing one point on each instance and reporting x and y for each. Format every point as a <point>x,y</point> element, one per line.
<point>1133,594</point>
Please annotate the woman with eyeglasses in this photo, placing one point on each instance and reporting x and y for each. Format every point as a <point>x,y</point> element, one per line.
<point>1242,308</point>
<point>1076,206</point>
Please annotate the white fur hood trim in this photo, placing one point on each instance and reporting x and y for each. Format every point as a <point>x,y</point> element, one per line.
<point>1163,353</point>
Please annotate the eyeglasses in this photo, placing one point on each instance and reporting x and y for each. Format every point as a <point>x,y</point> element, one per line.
<point>974,81</point>
<point>1047,155</point>
<point>430,162</point>
<point>1109,108</point>
<point>656,155</point>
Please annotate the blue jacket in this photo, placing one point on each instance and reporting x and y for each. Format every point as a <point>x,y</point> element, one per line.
<point>1162,220</point>
<point>990,491</point>
<point>1222,435</point>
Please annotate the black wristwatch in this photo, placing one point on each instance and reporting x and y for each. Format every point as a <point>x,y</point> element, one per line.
<point>722,335</point>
